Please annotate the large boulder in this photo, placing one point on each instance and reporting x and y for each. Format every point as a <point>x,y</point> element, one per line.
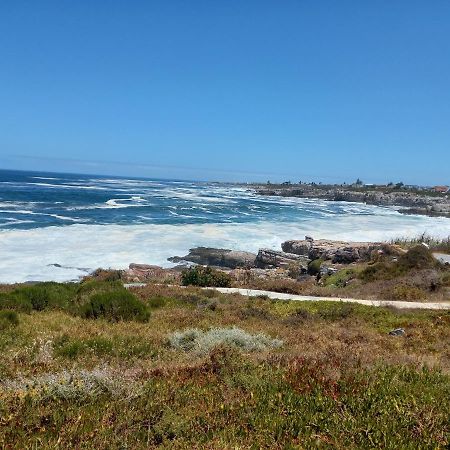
<point>217,257</point>
<point>269,259</point>
<point>336,251</point>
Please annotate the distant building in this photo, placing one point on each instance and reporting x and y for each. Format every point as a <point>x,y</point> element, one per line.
<point>441,189</point>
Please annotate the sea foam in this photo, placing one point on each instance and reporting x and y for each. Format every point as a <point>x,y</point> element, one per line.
<point>30,255</point>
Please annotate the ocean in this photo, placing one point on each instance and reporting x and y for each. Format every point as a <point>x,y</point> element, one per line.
<point>61,226</point>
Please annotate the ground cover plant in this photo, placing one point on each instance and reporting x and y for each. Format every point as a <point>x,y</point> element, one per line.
<point>246,373</point>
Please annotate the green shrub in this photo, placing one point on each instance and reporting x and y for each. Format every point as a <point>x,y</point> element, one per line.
<point>314,266</point>
<point>157,302</point>
<point>89,287</point>
<point>115,306</point>
<point>12,301</point>
<point>43,296</point>
<point>339,279</point>
<point>337,311</point>
<point>418,257</point>
<point>70,350</point>
<point>8,319</point>
<point>205,276</point>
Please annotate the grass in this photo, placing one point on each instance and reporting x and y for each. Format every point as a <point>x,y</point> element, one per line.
<point>435,245</point>
<point>337,381</point>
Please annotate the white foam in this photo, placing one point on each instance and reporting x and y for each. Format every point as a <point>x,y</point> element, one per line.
<point>26,254</point>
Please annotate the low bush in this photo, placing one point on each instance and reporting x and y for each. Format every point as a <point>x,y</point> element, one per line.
<point>90,287</point>
<point>8,319</point>
<point>339,279</point>
<point>12,301</point>
<point>204,341</point>
<point>39,297</point>
<point>416,258</point>
<point>67,348</point>
<point>252,312</point>
<point>298,317</point>
<point>314,266</point>
<point>157,302</point>
<point>75,386</point>
<point>204,277</point>
<point>408,293</point>
<point>115,306</point>
<point>337,311</point>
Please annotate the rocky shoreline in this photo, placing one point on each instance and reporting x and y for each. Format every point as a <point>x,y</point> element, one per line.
<point>406,202</point>
<point>297,259</point>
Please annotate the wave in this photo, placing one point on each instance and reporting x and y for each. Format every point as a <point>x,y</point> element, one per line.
<point>70,186</point>
<point>27,254</point>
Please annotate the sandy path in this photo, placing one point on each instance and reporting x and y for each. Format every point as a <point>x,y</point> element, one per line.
<point>305,298</point>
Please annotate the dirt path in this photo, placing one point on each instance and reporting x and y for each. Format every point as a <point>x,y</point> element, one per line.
<point>310,298</point>
<point>305,298</point>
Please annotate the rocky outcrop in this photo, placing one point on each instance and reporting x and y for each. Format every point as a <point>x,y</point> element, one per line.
<point>269,259</point>
<point>337,252</point>
<point>407,201</point>
<point>217,257</point>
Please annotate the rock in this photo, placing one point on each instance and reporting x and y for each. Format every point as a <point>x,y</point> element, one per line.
<point>268,259</point>
<point>217,257</point>
<point>146,272</point>
<point>297,247</point>
<point>327,270</point>
<point>337,251</point>
<point>397,332</point>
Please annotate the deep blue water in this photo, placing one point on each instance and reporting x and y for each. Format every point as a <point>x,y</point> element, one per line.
<point>33,200</point>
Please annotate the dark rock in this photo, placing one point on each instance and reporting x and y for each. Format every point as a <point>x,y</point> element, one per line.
<point>217,257</point>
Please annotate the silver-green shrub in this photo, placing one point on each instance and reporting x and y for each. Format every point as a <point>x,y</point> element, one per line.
<point>65,385</point>
<point>202,342</point>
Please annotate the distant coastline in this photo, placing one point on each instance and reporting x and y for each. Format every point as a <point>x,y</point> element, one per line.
<point>434,202</point>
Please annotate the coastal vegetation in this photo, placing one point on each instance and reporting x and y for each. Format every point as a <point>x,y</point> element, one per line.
<point>173,364</point>
<point>205,276</point>
<point>220,371</point>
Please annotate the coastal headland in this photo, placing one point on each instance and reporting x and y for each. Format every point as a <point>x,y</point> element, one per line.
<point>430,201</point>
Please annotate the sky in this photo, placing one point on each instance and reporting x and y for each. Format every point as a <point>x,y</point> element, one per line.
<point>228,90</point>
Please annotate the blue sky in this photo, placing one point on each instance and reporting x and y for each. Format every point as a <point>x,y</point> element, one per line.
<point>227,90</point>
